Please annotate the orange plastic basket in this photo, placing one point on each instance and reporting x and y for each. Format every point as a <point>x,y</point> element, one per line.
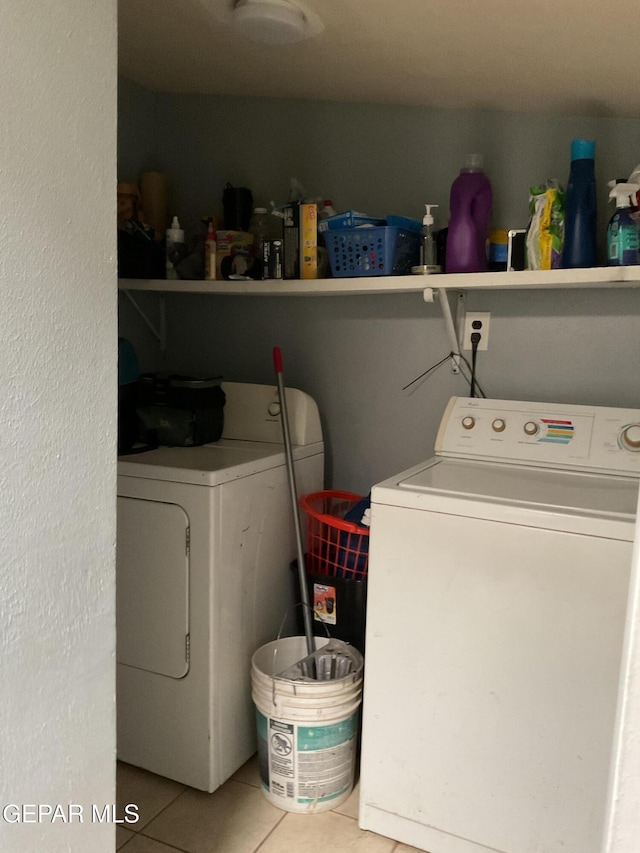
<point>335,547</point>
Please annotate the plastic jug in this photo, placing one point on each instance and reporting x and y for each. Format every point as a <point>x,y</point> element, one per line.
<point>470,208</point>
<point>580,207</point>
<point>264,226</point>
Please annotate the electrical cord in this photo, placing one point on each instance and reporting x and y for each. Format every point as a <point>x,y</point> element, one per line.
<point>468,378</point>
<point>475,340</point>
<point>459,360</point>
<point>428,371</point>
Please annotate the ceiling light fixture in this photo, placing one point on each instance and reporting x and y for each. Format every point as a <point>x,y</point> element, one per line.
<point>272,21</point>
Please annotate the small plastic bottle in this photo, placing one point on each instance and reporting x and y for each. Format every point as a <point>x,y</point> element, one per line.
<point>470,206</point>
<point>498,250</point>
<point>175,250</point>
<point>326,210</point>
<point>622,232</point>
<point>210,249</point>
<point>579,248</point>
<point>428,249</point>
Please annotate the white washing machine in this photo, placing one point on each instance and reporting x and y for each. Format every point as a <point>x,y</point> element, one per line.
<point>497,593</point>
<point>205,542</point>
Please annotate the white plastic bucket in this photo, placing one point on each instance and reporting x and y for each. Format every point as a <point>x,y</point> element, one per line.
<point>307,731</point>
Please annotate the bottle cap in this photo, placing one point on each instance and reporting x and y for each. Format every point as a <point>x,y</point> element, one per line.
<point>473,163</point>
<point>427,219</point>
<point>499,236</point>
<point>128,188</point>
<point>175,232</point>
<point>583,149</point>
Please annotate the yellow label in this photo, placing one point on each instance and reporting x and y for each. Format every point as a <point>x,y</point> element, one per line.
<point>308,241</point>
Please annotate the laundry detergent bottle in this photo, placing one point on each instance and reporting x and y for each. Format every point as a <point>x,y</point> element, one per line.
<point>470,214</point>
<point>580,207</point>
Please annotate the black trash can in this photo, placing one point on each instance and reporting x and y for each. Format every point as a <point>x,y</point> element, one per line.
<point>339,607</point>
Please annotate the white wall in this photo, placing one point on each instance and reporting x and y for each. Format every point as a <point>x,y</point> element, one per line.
<point>57,417</point>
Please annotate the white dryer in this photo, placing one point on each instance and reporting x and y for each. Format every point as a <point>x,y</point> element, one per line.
<point>497,594</point>
<point>205,542</point>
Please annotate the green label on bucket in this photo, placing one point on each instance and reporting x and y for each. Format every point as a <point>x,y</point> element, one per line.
<point>261,721</point>
<point>325,737</point>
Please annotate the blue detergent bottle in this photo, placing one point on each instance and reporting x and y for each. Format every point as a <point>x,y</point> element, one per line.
<point>580,207</point>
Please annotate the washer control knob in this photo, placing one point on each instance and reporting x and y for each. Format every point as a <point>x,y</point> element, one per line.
<point>468,422</point>
<point>630,437</point>
<point>274,409</point>
<point>531,428</point>
<point>499,425</point>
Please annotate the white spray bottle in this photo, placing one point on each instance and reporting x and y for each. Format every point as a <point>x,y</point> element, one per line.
<point>623,240</point>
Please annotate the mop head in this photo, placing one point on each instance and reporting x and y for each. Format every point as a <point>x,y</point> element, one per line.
<point>333,661</point>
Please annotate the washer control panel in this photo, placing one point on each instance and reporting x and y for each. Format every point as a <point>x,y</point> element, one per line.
<point>591,438</point>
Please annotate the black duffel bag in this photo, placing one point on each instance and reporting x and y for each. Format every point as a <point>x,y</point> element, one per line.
<point>179,411</point>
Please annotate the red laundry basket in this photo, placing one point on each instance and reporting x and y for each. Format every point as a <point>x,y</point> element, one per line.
<point>335,547</point>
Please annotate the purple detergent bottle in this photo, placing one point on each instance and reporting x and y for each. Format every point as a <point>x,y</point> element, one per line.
<point>470,213</point>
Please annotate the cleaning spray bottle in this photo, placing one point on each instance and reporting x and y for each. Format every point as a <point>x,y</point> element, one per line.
<point>622,232</point>
<point>428,252</point>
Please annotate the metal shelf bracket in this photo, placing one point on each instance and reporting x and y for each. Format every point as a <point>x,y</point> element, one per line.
<point>430,294</point>
<point>159,334</point>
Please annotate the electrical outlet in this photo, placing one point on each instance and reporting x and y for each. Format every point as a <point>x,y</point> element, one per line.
<point>476,321</point>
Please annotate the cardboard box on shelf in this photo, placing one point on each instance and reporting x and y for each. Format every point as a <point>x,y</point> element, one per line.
<point>230,244</point>
<point>308,241</point>
<point>272,259</point>
<point>301,241</point>
<point>291,239</point>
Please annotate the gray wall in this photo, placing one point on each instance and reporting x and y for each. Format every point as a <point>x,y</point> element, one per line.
<point>140,115</point>
<point>354,354</point>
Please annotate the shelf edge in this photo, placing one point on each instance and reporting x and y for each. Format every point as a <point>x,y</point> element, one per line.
<point>597,277</point>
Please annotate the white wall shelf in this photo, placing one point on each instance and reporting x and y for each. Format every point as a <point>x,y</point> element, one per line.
<point>608,277</point>
<point>597,277</point>
<point>428,285</point>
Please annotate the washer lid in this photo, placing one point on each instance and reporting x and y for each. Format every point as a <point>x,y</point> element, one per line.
<point>210,464</point>
<point>519,494</point>
<point>541,488</point>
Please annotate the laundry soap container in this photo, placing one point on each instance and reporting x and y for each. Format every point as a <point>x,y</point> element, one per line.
<point>580,207</point>
<point>470,212</point>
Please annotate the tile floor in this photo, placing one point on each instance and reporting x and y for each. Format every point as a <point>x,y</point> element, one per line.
<point>234,819</point>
